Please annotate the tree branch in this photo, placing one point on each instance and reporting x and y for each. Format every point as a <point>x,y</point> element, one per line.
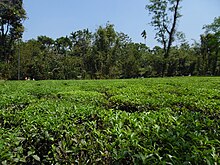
<point>172,31</point>
<point>166,28</point>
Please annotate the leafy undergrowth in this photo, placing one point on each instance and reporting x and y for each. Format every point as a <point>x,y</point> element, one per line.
<point>138,121</point>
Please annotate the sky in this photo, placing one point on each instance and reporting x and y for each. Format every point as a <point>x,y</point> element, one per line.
<point>57,18</point>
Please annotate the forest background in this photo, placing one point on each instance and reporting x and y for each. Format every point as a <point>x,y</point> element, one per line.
<point>104,53</point>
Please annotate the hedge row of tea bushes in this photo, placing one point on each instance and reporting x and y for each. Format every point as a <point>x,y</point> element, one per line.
<point>137,121</point>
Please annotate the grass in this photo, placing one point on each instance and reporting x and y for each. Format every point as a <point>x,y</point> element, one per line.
<point>136,121</point>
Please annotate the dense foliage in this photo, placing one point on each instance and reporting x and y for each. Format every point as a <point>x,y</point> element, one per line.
<point>12,15</point>
<point>136,121</point>
<point>107,53</point>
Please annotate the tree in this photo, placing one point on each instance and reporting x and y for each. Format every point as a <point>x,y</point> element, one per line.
<point>132,60</point>
<point>81,41</point>
<point>213,27</point>
<point>102,54</point>
<point>32,62</point>
<point>63,45</point>
<point>81,47</point>
<point>11,16</point>
<point>210,48</point>
<point>165,16</point>
<point>47,43</point>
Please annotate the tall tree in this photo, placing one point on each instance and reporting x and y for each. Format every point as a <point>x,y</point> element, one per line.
<point>165,15</point>
<point>104,42</point>
<point>11,16</point>
<point>47,43</point>
<point>63,45</point>
<point>210,48</point>
<point>81,41</point>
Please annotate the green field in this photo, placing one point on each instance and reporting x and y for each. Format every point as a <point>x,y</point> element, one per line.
<point>136,121</point>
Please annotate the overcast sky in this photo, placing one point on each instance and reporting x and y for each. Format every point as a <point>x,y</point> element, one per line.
<point>56,18</point>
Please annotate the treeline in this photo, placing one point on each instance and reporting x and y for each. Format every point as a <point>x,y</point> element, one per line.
<point>107,54</point>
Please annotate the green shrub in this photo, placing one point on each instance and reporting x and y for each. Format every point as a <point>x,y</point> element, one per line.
<point>137,121</point>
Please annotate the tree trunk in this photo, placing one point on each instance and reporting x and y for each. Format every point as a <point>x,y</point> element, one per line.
<point>170,40</point>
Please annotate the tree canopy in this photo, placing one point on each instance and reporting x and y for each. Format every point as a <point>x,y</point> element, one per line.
<point>165,14</point>
<point>106,53</point>
<point>12,15</point>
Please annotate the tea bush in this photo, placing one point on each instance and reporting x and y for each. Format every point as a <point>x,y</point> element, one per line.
<point>136,121</point>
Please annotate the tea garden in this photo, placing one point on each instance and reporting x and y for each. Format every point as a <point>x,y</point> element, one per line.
<point>133,121</point>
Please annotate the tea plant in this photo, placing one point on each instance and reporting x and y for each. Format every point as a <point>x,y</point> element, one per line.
<point>136,121</point>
